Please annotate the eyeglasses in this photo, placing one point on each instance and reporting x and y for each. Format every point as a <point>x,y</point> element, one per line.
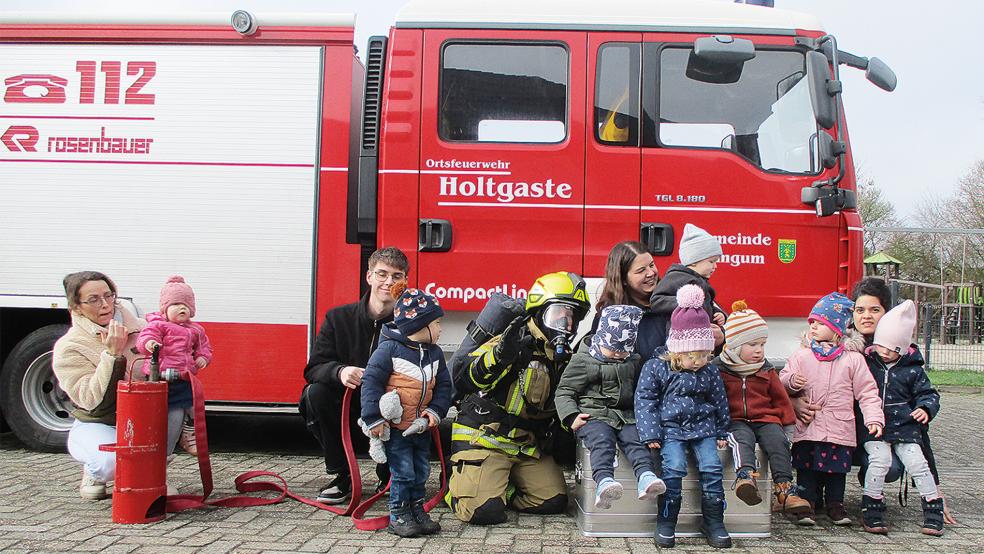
<point>382,275</point>
<point>94,300</point>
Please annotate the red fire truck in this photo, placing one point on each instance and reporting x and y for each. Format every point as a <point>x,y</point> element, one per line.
<point>259,158</point>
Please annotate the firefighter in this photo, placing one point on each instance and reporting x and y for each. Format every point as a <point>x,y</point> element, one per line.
<point>501,438</point>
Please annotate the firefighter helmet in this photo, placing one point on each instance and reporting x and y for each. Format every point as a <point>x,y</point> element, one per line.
<point>557,302</point>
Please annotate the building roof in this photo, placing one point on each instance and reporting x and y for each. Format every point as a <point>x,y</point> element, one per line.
<point>631,15</point>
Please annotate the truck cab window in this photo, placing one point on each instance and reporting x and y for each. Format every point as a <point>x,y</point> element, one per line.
<point>616,110</point>
<point>765,116</point>
<point>503,93</point>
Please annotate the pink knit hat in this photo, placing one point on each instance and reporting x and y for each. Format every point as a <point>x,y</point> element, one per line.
<point>176,291</point>
<point>894,330</point>
<point>690,328</point>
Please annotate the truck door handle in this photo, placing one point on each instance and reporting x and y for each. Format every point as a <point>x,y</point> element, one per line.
<point>434,235</point>
<point>658,237</point>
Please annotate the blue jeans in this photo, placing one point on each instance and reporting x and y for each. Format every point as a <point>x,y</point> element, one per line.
<point>409,462</point>
<point>708,463</point>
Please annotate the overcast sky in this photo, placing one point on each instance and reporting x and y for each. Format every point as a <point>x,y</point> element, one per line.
<point>915,142</point>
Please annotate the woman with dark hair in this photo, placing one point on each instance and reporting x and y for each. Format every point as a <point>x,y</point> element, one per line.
<point>88,361</point>
<point>630,277</point>
<point>872,299</point>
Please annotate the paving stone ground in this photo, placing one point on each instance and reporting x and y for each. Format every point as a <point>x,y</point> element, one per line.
<point>40,511</point>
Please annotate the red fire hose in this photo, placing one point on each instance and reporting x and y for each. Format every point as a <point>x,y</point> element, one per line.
<point>245,482</point>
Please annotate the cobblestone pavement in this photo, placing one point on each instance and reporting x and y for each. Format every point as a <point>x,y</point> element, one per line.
<point>41,511</point>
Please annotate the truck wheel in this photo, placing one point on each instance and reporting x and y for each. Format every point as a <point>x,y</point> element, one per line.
<point>35,407</point>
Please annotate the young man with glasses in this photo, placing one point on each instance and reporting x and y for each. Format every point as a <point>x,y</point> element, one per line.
<point>338,359</point>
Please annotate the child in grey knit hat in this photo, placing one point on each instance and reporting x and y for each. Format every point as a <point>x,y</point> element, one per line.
<point>699,255</point>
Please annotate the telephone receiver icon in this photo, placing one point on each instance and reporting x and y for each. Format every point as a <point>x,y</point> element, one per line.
<point>35,88</point>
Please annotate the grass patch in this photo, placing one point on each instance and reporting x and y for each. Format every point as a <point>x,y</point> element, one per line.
<point>960,378</point>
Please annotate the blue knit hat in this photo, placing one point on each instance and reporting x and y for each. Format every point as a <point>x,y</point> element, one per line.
<point>618,328</point>
<point>834,311</point>
<point>414,310</point>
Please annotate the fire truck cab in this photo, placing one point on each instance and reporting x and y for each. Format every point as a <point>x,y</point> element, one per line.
<point>490,142</point>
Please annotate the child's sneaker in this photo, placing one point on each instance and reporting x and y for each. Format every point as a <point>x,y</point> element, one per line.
<point>609,490</point>
<point>402,522</point>
<point>806,518</point>
<point>746,488</point>
<point>932,517</point>
<point>837,513</point>
<point>650,486</point>
<point>788,501</point>
<point>427,525</point>
<point>92,488</point>
<point>187,438</point>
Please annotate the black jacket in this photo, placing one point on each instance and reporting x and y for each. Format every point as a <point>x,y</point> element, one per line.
<point>347,337</point>
<point>903,388</point>
<point>663,300</point>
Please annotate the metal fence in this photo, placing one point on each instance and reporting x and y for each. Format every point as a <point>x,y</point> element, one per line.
<point>952,335</point>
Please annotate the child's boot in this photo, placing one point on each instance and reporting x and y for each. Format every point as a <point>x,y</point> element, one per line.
<point>666,520</point>
<point>932,517</point>
<point>746,488</point>
<point>650,486</point>
<point>873,515</point>
<point>712,525</point>
<point>609,490</point>
<point>402,522</point>
<point>788,501</point>
<point>427,525</point>
<point>837,513</point>
<point>187,438</point>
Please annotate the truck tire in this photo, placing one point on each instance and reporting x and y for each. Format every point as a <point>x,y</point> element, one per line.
<point>35,407</point>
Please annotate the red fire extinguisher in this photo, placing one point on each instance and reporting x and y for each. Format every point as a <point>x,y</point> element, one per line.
<point>140,493</point>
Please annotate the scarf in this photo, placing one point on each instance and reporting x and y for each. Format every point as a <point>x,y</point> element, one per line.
<point>730,358</point>
<point>825,351</point>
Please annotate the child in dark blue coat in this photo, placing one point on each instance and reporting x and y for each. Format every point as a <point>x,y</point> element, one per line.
<point>681,404</point>
<point>409,361</point>
<point>909,402</point>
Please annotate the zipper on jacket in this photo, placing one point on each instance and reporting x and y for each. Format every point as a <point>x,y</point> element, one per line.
<point>885,389</point>
<point>423,379</point>
<point>744,398</point>
<point>375,335</point>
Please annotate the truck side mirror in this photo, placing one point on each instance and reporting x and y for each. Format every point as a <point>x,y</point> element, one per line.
<point>719,59</point>
<point>829,149</point>
<point>881,75</point>
<point>822,89</point>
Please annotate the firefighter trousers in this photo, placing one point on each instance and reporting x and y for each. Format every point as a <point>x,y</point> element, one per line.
<point>479,488</point>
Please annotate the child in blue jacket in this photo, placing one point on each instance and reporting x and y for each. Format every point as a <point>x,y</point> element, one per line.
<point>681,403</point>
<point>408,361</point>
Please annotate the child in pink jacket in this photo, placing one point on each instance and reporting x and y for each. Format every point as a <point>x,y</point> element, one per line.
<point>832,373</point>
<point>184,346</point>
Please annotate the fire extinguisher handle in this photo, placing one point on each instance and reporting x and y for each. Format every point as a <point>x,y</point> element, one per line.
<point>155,364</point>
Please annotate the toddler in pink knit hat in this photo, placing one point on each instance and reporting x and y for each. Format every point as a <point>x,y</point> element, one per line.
<point>184,346</point>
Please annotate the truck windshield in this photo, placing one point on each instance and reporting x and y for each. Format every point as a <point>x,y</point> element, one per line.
<point>765,116</point>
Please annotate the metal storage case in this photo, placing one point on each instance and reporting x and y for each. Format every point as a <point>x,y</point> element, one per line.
<point>631,517</point>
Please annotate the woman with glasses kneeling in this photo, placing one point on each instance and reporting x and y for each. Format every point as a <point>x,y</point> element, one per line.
<point>94,354</point>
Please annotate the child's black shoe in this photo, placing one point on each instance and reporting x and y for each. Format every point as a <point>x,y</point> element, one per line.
<point>712,515</point>
<point>666,521</point>
<point>932,517</point>
<point>427,525</point>
<point>873,515</point>
<point>402,522</point>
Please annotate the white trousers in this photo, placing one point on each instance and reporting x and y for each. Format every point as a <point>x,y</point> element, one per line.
<point>84,439</point>
<point>880,461</point>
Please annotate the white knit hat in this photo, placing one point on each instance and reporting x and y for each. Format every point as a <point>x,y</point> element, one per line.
<point>697,244</point>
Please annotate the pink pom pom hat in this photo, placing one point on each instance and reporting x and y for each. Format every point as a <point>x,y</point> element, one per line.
<point>690,326</point>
